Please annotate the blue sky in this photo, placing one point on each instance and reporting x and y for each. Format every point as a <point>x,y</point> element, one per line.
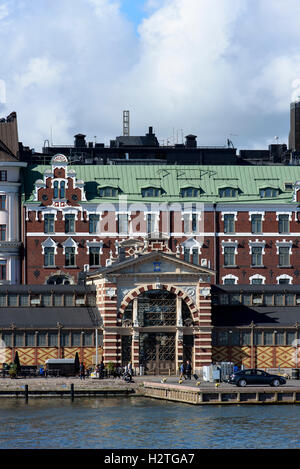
<point>134,10</point>
<point>217,69</point>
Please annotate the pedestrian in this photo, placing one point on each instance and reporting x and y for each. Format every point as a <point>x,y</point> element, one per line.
<point>188,370</point>
<point>81,371</point>
<point>130,369</point>
<point>101,370</point>
<point>182,371</point>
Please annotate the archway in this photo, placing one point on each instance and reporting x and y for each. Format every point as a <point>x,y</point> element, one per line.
<point>156,315</point>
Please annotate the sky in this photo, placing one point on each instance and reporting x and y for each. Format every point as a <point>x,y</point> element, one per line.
<point>217,69</point>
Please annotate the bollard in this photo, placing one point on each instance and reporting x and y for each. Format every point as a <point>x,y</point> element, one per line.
<point>72,392</point>
<point>26,392</point>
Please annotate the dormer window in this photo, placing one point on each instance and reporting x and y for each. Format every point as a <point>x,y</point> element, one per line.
<point>190,192</point>
<point>268,192</point>
<point>228,192</point>
<point>59,189</point>
<point>151,192</point>
<point>108,191</point>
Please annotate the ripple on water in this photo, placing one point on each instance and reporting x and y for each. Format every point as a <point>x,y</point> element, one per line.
<point>145,423</point>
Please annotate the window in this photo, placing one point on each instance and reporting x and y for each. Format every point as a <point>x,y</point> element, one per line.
<point>195,256</point>
<point>290,337</point>
<point>58,299</point>
<point>256,260</point>
<point>279,299</point>
<point>258,338</point>
<point>70,257</point>
<point>228,192</point>
<point>256,224</point>
<point>2,202</point>
<point>12,299</point>
<point>229,225</point>
<point>88,339</point>
<point>69,299</point>
<point>190,192</point>
<point>150,223</point>
<point>257,299</point>
<point>3,270</point>
<point>268,299</point>
<point>70,223</point>
<point>234,338</point>
<point>288,186</point>
<point>279,338</point>
<point>284,256</point>
<point>151,192</point>
<point>47,299</point>
<point>19,339</point>
<point>49,223</point>
<point>2,232</point>
<point>42,339</point>
<point>283,224</point>
<point>234,299</point>
<point>3,300</point>
<point>3,175</point>
<point>30,339</point>
<point>257,281</point>
<point>24,300</point>
<point>186,254</point>
<point>223,338</point>
<point>123,223</point>
<point>65,339</point>
<point>94,256</point>
<point>108,192</point>
<point>268,192</point>
<point>194,222</point>
<point>7,339</point>
<point>91,300</point>
<point>62,189</point>
<point>229,256</point>
<point>76,339</point>
<point>268,338</point>
<point>55,192</point>
<point>283,281</point>
<point>246,299</point>
<point>289,299</point>
<point>52,339</point>
<point>246,338</point>
<point>93,223</point>
<point>224,300</point>
<point>229,281</point>
<point>49,257</point>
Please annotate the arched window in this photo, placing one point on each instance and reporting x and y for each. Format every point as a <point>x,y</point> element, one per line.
<point>228,192</point>
<point>268,192</point>
<point>55,195</point>
<point>151,192</point>
<point>62,189</point>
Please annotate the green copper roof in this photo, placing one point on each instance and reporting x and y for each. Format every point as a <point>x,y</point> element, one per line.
<point>130,179</point>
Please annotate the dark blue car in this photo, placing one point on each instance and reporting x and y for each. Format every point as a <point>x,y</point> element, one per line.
<point>254,376</point>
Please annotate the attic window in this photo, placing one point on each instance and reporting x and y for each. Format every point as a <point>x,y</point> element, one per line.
<point>288,186</point>
<point>151,192</point>
<point>268,192</point>
<point>228,192</point>
<point>190,192</point>
<point>108,192</point>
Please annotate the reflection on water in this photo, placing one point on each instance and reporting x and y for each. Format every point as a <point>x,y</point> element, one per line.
<point>144,423</point>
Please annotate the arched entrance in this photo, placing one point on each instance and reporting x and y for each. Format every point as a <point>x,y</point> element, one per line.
<point>157,316</point>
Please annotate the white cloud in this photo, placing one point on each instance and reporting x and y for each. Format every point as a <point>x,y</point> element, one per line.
<point>209,67</point>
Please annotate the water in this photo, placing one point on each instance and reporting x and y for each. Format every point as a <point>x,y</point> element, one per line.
<point>128,423</point>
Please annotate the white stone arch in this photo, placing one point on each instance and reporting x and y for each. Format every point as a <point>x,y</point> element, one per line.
<point>230,277</point>
<point>259,277</point>
<point>285,277</point>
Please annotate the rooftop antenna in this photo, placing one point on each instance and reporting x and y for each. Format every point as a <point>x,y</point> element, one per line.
<point>125,123</point>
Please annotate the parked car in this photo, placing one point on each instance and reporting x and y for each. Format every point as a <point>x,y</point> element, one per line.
<point>253,376</point>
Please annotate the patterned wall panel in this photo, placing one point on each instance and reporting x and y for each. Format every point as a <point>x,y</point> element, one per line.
<point>285,357</point>
<point>265,357</point>
<point>26,355</point>
<point>241,356</point>
<point>70,352</point>
<point>220,354</point>
<point>44,354</point>
<point>6,355</point>
<point>88,354</point>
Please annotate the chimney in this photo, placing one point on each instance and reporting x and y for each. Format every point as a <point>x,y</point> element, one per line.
<point>191,141</point>
<point>80,141</point>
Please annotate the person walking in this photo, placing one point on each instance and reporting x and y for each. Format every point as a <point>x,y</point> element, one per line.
<point>81,371</point>
<point>188,370</point>
<point>182,371</point>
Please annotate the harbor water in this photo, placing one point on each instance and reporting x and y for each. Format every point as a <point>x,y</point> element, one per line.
<point>133,423</point>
